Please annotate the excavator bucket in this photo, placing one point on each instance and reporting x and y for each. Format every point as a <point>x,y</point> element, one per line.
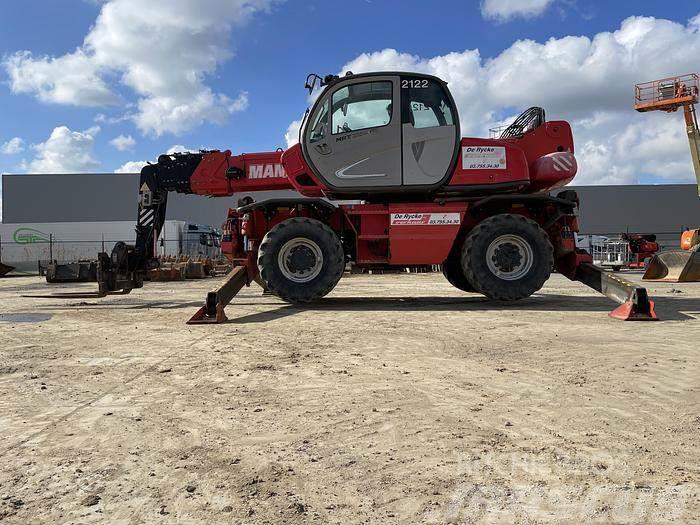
<point>675,266</point>
<point>5,269</point>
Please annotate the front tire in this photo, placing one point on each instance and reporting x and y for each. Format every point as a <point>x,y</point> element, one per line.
<point>300,260</point>
<point>507,257</point>
<point>453,272</point>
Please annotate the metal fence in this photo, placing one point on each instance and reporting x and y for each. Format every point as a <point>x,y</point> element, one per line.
<point>31,257</point>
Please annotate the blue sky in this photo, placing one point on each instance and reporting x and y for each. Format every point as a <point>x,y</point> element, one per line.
<point>250,97</point>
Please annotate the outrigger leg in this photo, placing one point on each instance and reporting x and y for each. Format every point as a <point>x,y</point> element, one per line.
<point>213,310</point>
<point>634,301</point>
<point>635,304</point>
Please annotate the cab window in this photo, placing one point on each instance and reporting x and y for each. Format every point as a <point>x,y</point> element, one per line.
<point>361,106</point>
<point>318,130</point>
<point>428,104</point>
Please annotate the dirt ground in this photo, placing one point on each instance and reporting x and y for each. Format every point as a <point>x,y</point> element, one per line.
<point>397,399</point>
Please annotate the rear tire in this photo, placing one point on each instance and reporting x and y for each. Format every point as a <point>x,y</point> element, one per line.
<point>507,257</point>
<point>453,272</point>
<point>300,260</point>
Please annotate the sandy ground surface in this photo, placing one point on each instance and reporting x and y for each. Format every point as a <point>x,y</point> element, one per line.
<point>397,399</point>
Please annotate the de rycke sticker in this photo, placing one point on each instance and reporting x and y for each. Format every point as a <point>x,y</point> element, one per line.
<point>483,157</point>
<point>424,219</point>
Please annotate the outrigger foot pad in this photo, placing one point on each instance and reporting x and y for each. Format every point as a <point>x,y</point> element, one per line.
<point>636,309</point>
<point>213,310</point>
<point>635,304</point>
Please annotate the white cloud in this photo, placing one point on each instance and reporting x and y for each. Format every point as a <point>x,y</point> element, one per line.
<point>70,79</point>
<point>179,148</point>
<point>159,114</point>
<point>507,9</point>
<point>65,151</point>
<point>133,166</point>
<point>163,50</point>
<point>123,142</point>
<point>13,146</point>
<point>292,133</point>
<point>587,81</point>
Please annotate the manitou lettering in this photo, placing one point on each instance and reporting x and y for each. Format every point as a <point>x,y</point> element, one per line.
<point>266,171</point>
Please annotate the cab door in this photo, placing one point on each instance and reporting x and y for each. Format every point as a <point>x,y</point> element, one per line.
<point>353,140</point>
<point>430,130</point>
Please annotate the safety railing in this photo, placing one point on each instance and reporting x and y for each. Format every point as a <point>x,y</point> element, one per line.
<point>495,133</point>
<point>667,93</point>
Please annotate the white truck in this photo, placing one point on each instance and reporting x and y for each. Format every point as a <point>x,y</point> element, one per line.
<point>29,245</point>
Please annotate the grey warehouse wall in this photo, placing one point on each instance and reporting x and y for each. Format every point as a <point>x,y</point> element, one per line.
<point>641,208</point>
<point>95,197</point>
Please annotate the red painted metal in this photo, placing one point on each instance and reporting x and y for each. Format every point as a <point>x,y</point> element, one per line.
<point>300,174</point>
<point>258,172</point>
<point>515,160</point>
<point>627,312</point>
<point>423,233</point>
<point>541,159</point>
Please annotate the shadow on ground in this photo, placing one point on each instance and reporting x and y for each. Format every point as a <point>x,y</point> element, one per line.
<point>667,308</point>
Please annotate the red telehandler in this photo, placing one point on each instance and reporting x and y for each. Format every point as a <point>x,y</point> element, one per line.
<point>424,195</point>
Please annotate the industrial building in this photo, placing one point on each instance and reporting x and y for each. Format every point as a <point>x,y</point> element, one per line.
<point>664,210</point>
<point>71,217</point>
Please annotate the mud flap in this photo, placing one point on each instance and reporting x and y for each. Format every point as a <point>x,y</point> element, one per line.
<point>5,269</point>
<point>675,266</point>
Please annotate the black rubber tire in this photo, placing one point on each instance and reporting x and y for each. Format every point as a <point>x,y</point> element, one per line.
<point>331,270</point>
<point>452,270</point>
<point>488,283</point>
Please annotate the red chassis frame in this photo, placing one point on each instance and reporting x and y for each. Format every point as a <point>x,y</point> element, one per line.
<point>403,234</point>
<point>381,235</point>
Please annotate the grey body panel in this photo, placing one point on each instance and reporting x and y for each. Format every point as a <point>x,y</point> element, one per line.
<point>427,153</point>
<point>360,158</point>
<point>412,152</point>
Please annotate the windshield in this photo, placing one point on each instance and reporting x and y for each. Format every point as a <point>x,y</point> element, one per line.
<point>361,106</point>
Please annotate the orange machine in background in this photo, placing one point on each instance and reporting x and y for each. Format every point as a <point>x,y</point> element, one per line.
<point>669,95</point>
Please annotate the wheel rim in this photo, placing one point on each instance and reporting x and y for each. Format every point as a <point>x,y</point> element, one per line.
<point>509,257</point>
<point>300,260</point>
